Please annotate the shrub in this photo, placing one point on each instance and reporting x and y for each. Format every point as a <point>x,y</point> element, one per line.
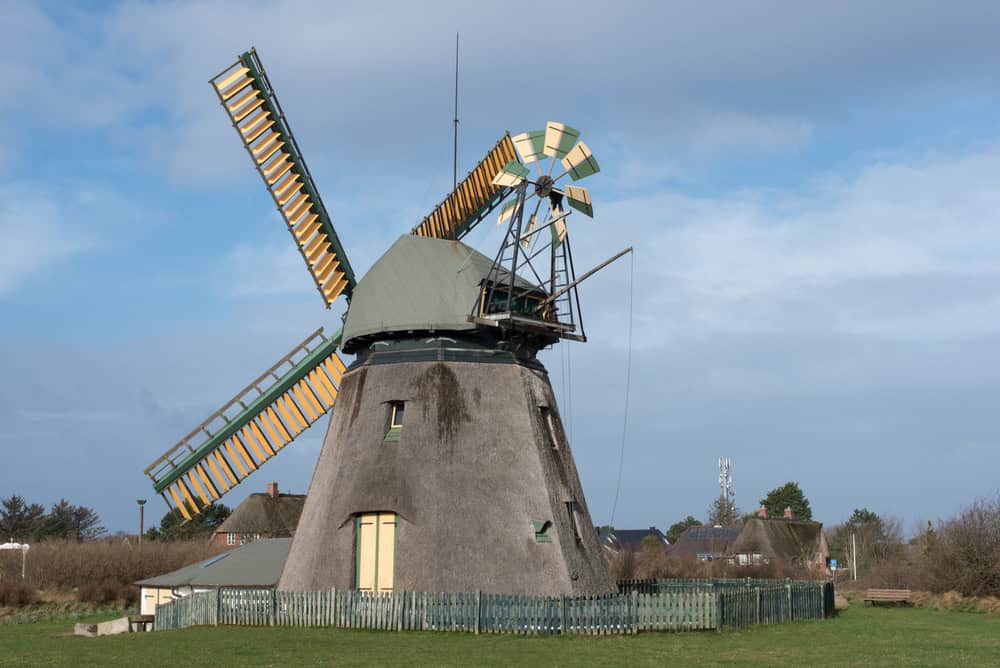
<point>108,591</point>
<point>654,562</point>
<point>17,594</point>
<point>92,565</point>
<point>963,553</point>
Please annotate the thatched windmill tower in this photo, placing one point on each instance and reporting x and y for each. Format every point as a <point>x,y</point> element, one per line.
<point>445,465</point>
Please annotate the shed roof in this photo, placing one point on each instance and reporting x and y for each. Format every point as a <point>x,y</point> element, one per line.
<point>419,284</point>
<point>262,513</point>
<point>256,564</point>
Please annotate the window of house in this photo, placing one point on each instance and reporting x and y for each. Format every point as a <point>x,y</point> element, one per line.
<point>395,422</point>
<point>230,538</point>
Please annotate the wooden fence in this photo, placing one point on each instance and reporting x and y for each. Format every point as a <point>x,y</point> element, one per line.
<point>685,606</point>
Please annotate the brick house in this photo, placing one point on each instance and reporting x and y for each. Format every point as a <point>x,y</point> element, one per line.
<point>261,515</point>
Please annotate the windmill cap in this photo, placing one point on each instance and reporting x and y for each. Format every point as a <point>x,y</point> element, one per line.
<point>420,284</point>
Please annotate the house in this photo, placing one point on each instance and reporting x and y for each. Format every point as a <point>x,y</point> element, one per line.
<point>704,543</point>
<point>256,565</point>
<point>261,515</point>
<point>617,540</point>
<point>784,538</point>
<point>758,541</point>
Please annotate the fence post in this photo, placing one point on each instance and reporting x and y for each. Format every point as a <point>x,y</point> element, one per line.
<point>218,604</point>
<point>788,596</point>
<point>718,610</point>
<point>479,609</point>
<point>635,612</point>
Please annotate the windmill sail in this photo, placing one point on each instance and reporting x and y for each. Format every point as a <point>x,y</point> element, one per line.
<point>472,200</point>
<point>259,421</point>
<point>249,100</point>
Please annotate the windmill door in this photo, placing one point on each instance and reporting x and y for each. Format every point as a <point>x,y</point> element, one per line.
<point>376,550</point>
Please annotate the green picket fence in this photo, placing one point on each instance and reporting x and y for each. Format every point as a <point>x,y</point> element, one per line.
<point>431,611</point>
<point>675,606</point>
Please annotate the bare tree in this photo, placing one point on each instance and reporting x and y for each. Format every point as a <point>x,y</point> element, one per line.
<point>963,553</point>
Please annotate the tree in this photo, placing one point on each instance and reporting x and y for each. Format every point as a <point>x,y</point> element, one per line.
<point>877,539</point>
<point>964,551</point>
<point>72,522</point>
<point>723,512</point>
<point>20,521</point>
<point>677,528</point>
<point>788,495</point>
<point>173,526</point>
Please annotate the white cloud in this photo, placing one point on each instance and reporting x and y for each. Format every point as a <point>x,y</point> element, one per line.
<point>35,234</point>
<point>264,271</point>
<point>886,277</point>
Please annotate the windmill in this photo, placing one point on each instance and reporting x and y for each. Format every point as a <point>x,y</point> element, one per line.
<point>445,466</point>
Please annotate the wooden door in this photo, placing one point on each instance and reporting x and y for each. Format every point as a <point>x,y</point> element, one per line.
<point>376,551</point>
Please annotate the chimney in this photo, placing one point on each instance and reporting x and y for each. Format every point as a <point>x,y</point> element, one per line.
<point>788,513</point>
<point>272,489</point>
<point>762,513</point>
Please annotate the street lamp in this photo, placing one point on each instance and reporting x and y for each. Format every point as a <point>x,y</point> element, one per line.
<point>141,503</point>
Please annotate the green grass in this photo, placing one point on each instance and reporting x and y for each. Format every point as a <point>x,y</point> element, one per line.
<point>859,636</point>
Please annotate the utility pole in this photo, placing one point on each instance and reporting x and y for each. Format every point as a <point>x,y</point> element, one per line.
<point>141,502</point>
<point>854,557</point>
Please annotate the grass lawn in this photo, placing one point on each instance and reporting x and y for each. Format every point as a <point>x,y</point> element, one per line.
<point>859,636</point>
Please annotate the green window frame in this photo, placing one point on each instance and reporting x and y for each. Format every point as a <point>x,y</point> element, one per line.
<point>394,427</point>
<point>541,530</point>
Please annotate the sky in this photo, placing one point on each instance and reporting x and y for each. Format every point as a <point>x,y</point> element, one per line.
<point>811,190</point>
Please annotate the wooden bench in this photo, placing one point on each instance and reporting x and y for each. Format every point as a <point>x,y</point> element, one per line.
<point>896,596</point>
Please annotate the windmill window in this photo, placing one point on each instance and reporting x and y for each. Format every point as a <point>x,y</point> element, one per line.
<point>396,416</point>
<point>550,430</point>
<point>573,508</point>
<point>394,426</point>
<point>541,531</point>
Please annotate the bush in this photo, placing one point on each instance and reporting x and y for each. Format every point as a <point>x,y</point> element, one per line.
<point>108,591</point>
<point>963,553</point>
<point>108,563</point>
<point>17,594</point>
<point>654,562</point>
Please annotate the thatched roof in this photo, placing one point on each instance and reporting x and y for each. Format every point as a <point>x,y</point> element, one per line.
<point>790,540</point>
<point>473,471</point>
<point>261,513</point>
<point>701,540</point>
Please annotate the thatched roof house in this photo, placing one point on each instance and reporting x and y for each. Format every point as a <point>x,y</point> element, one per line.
<point>789,540</point>
<point>261,515</point>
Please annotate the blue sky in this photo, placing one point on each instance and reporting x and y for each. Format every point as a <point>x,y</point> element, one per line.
<point>811,190</point>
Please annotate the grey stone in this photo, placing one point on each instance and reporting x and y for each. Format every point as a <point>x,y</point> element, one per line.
<point>114,627</point>
<point>840,602</point>
<point>85,630</point>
